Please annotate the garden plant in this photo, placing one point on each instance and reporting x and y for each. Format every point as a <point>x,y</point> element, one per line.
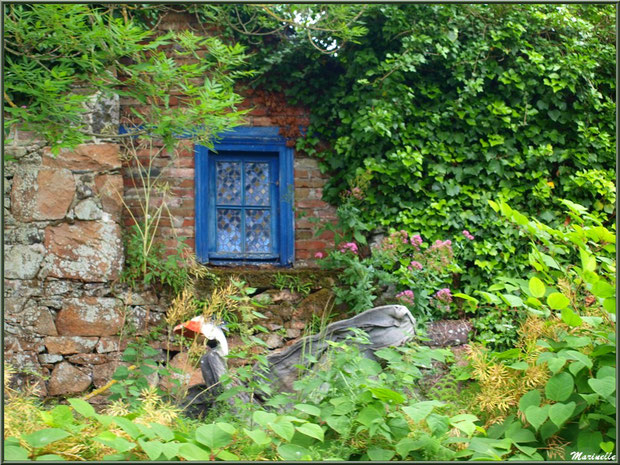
<point>471,149</point>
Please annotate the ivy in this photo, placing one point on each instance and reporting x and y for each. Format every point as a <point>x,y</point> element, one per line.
<point>448,106</point>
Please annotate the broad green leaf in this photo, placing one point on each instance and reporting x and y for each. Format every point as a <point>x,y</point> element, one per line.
<point>387,395</point>
<point>605,387</point>
<point>170,449</point>
<point>152,448</point>
<point>309,409</point>
<point>340,424</point>
<point>226,455</point>
<point>381,455</point>
<point>112,440</point>
<point>557,301</point>
<point>555,364</point>
<point>559,387</point>
<point>571,318</point>
<point>15,453</point>
<point>575,355</point>
<point>406,445</point>
<point>44,437</point>
<point>83,408</point>
<point>609,304</point>
<point>190,451</point>
<point>264,418</point>
<point>312,430</point>
<point>284,429</point>
<point>162,431</point>
<point>213,436</point>
<point>128,426</point>
<point>519,365</point>
<point>512,300</point>
<point>368,415</point>
<point>438,424</point>
<point>537,287</point>
<point>464,422</point>
<point>607,446</point>
<point>258,436</point>
<point>589,442</point>
<point>559,413</point>
<point>602,290</point>
<point>420,410</point>
<point>529,399</point>
<point>293,452</point>
<point>536,416</point>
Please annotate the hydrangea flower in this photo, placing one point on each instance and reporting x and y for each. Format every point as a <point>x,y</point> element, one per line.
<point>319,255</point>
<point>444,295</point>
<point>406,296</point>
<point>415,264</point>
<point>468,235</point>
<point>349,246</point>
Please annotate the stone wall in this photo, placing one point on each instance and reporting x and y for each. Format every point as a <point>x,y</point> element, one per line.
<point>63,255</point>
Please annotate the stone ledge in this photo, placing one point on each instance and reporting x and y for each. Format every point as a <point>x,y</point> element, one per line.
<point>263,278</point>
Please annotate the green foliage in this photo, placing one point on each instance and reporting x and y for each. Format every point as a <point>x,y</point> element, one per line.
<point>449,106</point>
<point>155,268</point>
<point>573,288</point>
<point>292,283</point>
<point>53,51</point>
<point>419,273</point>
<point>132,379</point>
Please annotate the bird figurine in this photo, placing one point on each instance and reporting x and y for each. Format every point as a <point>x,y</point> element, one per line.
<point>211,331</point>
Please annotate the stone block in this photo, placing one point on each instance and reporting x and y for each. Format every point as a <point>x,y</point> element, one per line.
<point>85,157</point>
<point>69,344</point>
<point>42,194</point>
<point>110,189</point>
<point>67,379</point>
<point>86,250</point>
<point>87,209</point>
<point>90,316</point>
<point>44,323</point>
<point>88,359</point>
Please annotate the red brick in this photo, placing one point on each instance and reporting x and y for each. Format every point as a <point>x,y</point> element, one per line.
<point>184,162</point>
<point>310,203</point>
<point>186,183</point>
<point>302,254</point>
<point>309,182</point>
<point>180,173</point>
<point>300,174</point>
<point>262,121</point>
<point>309,245</point>
<point>189,222</point>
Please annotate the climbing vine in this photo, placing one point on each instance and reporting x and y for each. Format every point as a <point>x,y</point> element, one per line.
<point>448,106</point>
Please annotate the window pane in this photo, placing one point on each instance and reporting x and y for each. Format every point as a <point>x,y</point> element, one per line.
<point>228,229</point>
<point>258,231</point>
<point>228,182</point>
<point>256,183</point>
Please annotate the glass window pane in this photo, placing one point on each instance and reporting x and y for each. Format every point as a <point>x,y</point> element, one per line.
<point>228,230</point>
<point>258,231</point>
<point>257,183</point>
<point>228,182</point>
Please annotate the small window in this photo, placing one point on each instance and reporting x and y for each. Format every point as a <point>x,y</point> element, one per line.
<point>244,199</point>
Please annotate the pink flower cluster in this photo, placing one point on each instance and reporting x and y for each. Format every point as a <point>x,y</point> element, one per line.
<point>416,241</point>
<point>468,235</point>
<point>406,296</point>
<point>444,295</point>
<point>349,246</point>
<point>356,193</point>
<point>439,244</point>
<point>319,255</point>
<point>415,264</point>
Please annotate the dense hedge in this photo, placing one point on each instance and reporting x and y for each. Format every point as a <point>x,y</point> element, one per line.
<point>448,106</point>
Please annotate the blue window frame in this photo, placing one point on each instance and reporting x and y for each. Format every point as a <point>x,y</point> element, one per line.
<point>244,198</point>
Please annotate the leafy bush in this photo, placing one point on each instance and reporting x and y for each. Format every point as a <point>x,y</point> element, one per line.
<point>420,274</point>
<point>556,388</point>
<point>447,107</point>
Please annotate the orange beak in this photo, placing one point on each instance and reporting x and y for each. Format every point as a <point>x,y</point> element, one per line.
<point>189,329</point>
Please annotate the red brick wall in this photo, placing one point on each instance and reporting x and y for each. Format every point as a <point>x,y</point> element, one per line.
<point>267,109</point>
